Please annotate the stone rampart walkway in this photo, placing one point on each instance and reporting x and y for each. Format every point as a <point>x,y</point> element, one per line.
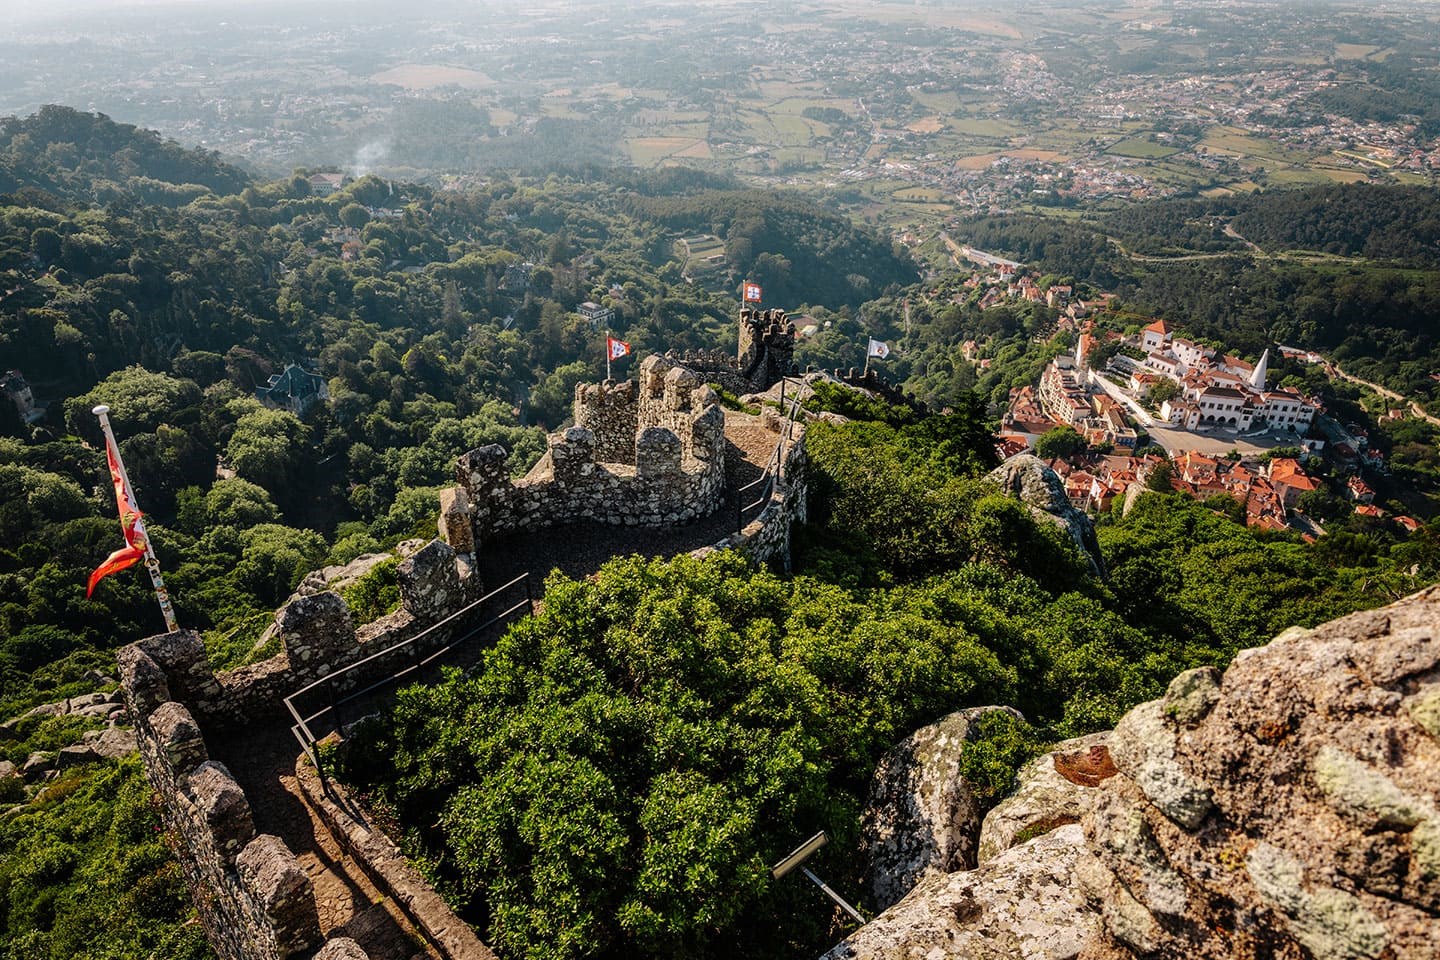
<point>579,549</point>
<point>263,758</point>
<point>263,763</point>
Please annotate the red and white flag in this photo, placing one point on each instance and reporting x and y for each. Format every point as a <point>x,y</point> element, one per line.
<point>615,349</point>
<point>751,292</point>
<point>130,526</point>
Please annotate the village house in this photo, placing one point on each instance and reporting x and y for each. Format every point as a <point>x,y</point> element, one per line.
<point>1290,480</point>
<point>1063,396</point>
<point>295,389</point>
<point>18,391</point>
<point>597,315</point>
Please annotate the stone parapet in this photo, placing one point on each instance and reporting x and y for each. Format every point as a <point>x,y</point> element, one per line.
<point>253,898</point>
<point>766,539</point>
<point>610,412</point>
<point>671,468</point>
<point>392,874</point>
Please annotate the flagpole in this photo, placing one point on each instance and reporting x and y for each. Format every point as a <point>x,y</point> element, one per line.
<point>607,353</point>
<point>151,563</point>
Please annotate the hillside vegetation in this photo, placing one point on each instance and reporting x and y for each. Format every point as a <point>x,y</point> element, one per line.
<point>616,777</point>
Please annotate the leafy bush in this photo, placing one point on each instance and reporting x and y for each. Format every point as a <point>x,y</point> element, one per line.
<point>634,755</point>
<point>87,873</point>
<point>374,594</point>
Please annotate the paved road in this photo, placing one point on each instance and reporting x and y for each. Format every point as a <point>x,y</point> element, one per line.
<point>1136,411</point>
<point>1333,368</point>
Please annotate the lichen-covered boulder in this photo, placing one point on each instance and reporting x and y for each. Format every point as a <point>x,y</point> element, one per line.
<point>1023,905</point>
<point>1051,791</point>
<point>1287,808</point>
<point>921,816</point>
<point>1027,478</point>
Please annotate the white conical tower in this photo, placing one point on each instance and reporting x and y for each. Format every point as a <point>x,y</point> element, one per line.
<point>1257,379</point>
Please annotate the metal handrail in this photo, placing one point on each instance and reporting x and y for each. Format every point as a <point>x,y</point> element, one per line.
<point>301,728</point>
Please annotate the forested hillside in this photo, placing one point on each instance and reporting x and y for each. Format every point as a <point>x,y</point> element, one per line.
<point>84,156</point>
<point>798,253</point>
<point>1399,225</point>
<point>441,321</point>
<point>1350,271</point>
<point>656,736</point>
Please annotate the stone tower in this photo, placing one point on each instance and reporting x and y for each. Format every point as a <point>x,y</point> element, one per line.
<point>767,347</point>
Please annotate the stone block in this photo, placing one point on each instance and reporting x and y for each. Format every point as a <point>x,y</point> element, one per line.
<point>652,374</point>
<point>680,383</point>
<point>178,738</point>
<point>342,948</point>
<point>456,526</point>
<point>707,435</point>
<point>658,453</point>
<point>276,883</point>
<point>921,816</point>
<point>430,583</point>
<point>181,656</point>
<point>315,629</point>
<point>573,454</point>
<point>483,472</point>
<point>142,680</point>
<point>223,805</point>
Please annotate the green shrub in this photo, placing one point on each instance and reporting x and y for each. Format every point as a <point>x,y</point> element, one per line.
<point>375,594</point>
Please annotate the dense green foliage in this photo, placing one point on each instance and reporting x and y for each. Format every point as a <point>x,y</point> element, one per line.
<point>796,252</point>
<point>1388,223</point>
<point>77,155</point>
<point>616,775</point>
<point>441,322</point>
<point>87,873</point>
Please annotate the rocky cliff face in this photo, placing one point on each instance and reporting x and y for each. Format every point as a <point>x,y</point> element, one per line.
<point>1287,808</point>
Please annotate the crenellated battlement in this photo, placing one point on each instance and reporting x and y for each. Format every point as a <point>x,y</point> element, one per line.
<point>254,899</point>
<point>253,896</point>
<point>767,347</point>
<point>875,383</point>
<point>640,454</point>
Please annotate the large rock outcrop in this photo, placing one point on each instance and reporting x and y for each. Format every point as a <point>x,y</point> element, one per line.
<point>1027,478</point>
<point>1288,808</point>
<point>921,817</point>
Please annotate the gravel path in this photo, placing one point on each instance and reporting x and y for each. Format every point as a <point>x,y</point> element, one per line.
<point>263,763</point>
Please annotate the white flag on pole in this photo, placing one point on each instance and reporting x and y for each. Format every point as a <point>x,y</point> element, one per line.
<point>878,348</point>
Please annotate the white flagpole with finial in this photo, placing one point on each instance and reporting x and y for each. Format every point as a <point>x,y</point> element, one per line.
<point>151,563</point>
<point>607,353</point>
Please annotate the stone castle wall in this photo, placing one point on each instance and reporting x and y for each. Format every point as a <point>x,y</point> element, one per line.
<point>766,539</point>
<point>672,470</point>
<point>254,899</point>
<point>766,347</point>
<point>875,383</point>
